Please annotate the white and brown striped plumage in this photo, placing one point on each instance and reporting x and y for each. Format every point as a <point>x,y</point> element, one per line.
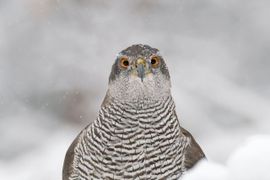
<point>137,134</point>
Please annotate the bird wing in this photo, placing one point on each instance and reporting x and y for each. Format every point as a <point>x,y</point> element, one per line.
<point>194,152</point>
<point>69,158</point>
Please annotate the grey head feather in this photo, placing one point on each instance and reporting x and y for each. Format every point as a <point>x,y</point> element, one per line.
<point>126,85</point>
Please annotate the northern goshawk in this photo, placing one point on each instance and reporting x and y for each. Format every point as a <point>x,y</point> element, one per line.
<point>137,134</point>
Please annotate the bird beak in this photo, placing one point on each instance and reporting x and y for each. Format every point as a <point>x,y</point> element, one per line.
<point>140,65</point>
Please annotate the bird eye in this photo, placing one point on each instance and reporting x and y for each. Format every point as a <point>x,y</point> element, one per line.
<point>155,61</point>
<point>124,63</point>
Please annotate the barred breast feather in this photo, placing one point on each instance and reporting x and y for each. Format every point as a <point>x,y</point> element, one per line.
<point>136,140</point>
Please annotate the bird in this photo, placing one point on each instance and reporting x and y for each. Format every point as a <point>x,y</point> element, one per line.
<point>137,133</point>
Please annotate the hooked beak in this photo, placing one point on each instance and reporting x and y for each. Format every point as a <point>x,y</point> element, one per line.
<point>140,65</point>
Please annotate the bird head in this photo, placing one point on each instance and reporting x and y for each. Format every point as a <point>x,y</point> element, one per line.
<point>139,71</point>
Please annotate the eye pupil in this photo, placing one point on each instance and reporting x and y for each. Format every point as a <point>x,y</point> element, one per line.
<point>125,63</point>
<point>153,61</point>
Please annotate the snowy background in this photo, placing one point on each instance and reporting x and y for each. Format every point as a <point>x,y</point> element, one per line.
<point>56,56</point>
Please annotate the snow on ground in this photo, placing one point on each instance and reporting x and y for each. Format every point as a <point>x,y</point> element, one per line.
<point>251,161</point>
<point>42,163</point>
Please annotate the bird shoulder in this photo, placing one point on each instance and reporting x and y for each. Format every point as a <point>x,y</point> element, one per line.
<point>193,151</point>
<point>70,156</point>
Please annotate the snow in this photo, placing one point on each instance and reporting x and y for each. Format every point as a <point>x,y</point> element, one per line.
<point>56,56</point>
<point>40,163</point>
<point>253,158</point>
<point>248,162</point>
<point>207,170</point>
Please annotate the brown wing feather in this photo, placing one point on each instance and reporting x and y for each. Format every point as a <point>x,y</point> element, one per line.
<point>193,152</point>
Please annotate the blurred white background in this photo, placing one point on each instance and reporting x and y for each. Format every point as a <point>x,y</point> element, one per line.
<point>56,56</point>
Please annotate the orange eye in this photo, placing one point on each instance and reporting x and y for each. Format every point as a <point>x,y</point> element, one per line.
<point>155,61</point>
<point>124,63</point>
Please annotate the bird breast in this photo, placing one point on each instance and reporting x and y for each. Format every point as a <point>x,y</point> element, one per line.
<point>131,140</point>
